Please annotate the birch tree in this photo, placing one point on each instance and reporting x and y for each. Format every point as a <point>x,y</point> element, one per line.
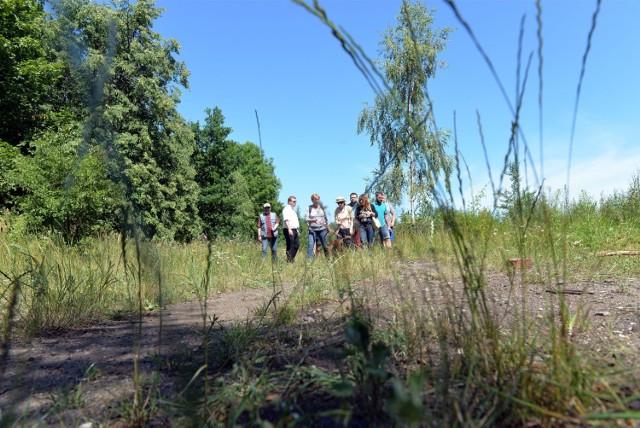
<point>411,148</point>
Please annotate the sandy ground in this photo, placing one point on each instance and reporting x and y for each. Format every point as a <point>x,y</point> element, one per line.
<point>90,370</point>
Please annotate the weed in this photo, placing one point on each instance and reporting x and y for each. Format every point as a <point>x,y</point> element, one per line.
<point>69,398</point>
<point>229,343</point>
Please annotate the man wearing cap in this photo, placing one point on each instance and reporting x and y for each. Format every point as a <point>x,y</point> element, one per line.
<point>344,217</point>
<point>268,232</point>
<point>291,229</point>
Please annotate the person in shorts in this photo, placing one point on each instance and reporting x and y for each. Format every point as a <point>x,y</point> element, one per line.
<point>392,218</point>
<point>383,216</point>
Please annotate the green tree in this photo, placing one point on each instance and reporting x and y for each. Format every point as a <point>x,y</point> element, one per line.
<point>234,179</point>
<point>8,154</point>
<point>411,148</point>
<point>29,75</point>
<point>132,80</point>
<point>518,203</point>
<point>29,70</point>
<point>63,192</point>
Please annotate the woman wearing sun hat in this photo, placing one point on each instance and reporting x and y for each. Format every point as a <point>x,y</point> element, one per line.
<point>344,218</point>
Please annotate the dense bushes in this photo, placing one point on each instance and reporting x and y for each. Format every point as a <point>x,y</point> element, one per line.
<point>91,138</point>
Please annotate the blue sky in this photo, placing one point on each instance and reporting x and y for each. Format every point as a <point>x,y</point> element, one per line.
<point>274,57</point>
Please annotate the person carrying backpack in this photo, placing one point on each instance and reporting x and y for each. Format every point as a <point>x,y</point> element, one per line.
<point>318,226</point>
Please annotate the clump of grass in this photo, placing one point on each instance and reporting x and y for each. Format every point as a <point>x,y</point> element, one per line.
<point>489,372</point>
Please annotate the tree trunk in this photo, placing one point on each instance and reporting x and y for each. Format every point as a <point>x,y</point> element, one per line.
<point>411,192</point>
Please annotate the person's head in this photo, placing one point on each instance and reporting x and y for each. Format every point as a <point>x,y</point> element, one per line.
<point>315,199</point>
<point>340,201</point>
<point>364,201</point>
<point>379,197</point>
<point>267,208</point>
<point>353,197</point>
<point>291,201</point>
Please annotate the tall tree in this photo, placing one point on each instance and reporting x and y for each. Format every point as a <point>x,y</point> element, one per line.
<point>411,148</point>
<point>28,70</point>
<point>133,81</point>
<point>235,179</point>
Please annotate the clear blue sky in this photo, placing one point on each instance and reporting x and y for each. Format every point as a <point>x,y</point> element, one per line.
<point>274,57</point>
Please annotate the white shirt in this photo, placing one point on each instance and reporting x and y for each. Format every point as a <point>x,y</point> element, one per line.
<point>288,214</point>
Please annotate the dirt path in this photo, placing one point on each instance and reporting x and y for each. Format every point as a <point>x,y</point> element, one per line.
<point>47,371</point>
<point>88,373</point>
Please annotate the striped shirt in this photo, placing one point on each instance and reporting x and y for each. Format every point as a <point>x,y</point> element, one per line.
<point>267,224</point>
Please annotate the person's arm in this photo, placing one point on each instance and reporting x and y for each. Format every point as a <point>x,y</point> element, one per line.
<point>350,214</point>
<point>284,217</point>
<point>326,221</point>
<point>308,217</point>
<point>277,223</point>
<point>259,229</point>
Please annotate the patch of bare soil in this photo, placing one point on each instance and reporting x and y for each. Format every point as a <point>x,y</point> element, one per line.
<point>87,374</point>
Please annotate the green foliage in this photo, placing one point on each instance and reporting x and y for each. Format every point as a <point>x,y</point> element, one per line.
<point>8,154</point>
<point>59,287</point>
<point>104,67</point>
<point>368,360</point>
<point>64,193</point>
<point>623,207</point>
<point>235,179</point>
<point>518,203</point>
<point>133,76</point>
<point>411,148</point>
<point>229,343</point>
<point>29,70</point>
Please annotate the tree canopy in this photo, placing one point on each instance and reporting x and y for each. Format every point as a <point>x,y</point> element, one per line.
<point>235,179</point>
<point>90,133</point>
<point>29,69</point>
<point>400,122</point>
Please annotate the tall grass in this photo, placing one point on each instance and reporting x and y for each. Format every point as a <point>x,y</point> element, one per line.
<point>491,371</point>
<point>68,286</point>
<point>427,339</point>
<point>475,365</point>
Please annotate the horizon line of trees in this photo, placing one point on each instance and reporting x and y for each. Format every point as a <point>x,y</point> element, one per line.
<point>90,136</point>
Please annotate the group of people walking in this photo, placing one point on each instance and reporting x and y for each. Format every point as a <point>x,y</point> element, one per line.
<point>358,220</point>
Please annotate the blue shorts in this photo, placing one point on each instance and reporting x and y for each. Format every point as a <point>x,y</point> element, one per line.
<point>384,233</point>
